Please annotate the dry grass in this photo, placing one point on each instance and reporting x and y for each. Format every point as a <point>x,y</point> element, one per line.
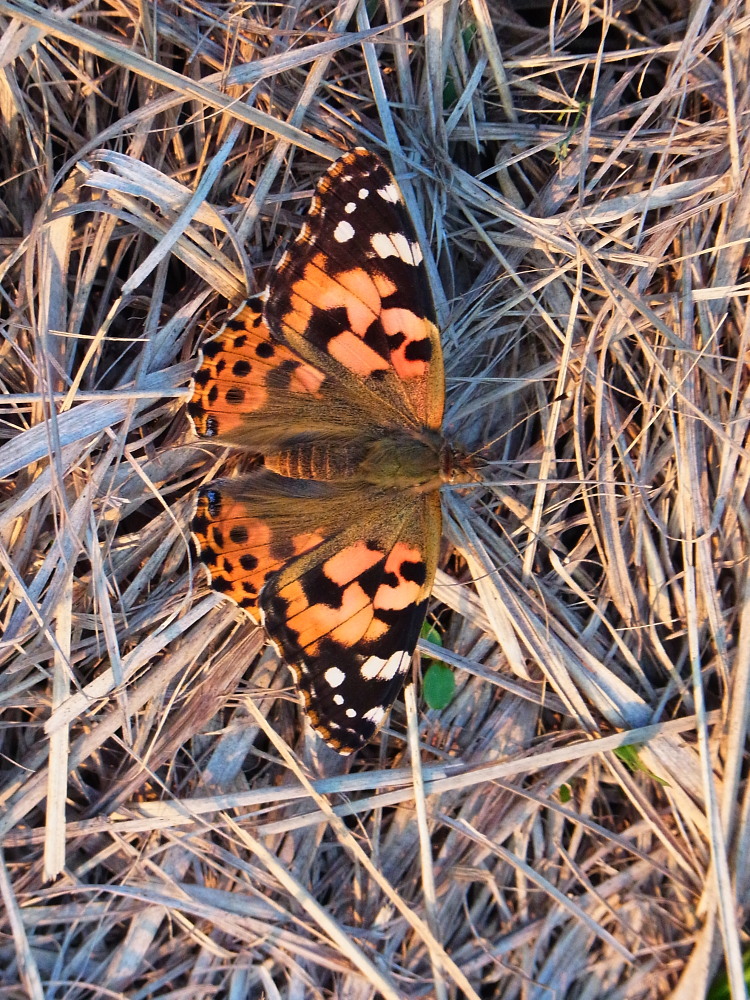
<point>168,828</point>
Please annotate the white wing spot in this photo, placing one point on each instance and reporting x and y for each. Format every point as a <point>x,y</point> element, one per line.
<point>351,714</point>
<point>363,193</point>
<point>338,699</point>
<point>407,249</point>
<point>343,232</point>
<point>396,245</point>
<point>335,677</point>
<point>375,667</point>
<point>350,207</point>
<point>390,193</point>
<point>375,715</point>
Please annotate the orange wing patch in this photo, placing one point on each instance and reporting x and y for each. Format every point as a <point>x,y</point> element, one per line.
<point>331,599</point>
<point>241,368</point>
<point>240,551</point>
<point>353,292</point>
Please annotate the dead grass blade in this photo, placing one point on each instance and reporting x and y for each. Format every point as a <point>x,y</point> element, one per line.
<point>575,822</point>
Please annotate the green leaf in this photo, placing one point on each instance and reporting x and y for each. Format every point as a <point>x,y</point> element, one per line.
<point>468,35</point>
<point>431,634</point>
<point>719,989</point>
<point>438,685</point>
<point>450,91</point>
<point>562,148</point>
<point>438,682</point>
<point>629,756</point>
<point>450,88</point>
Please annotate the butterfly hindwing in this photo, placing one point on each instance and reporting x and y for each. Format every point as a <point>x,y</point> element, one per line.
<point>247,529</point>
<point>254,392</point>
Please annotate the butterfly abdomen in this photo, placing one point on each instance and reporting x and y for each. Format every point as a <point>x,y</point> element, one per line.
<point>321,460</point>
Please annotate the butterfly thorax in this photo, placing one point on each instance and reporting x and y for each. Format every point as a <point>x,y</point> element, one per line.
<point>397,458</point>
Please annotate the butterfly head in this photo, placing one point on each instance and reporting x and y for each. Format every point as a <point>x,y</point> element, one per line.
<point>457,466</point>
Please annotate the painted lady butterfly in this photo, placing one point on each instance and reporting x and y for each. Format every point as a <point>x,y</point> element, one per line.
<point>335,376</point>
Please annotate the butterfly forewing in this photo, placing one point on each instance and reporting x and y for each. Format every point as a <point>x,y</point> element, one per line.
<point>353,289</point>
<point>345,609</point>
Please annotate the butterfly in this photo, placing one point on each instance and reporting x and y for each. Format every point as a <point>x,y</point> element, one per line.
<point>334,375</point>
